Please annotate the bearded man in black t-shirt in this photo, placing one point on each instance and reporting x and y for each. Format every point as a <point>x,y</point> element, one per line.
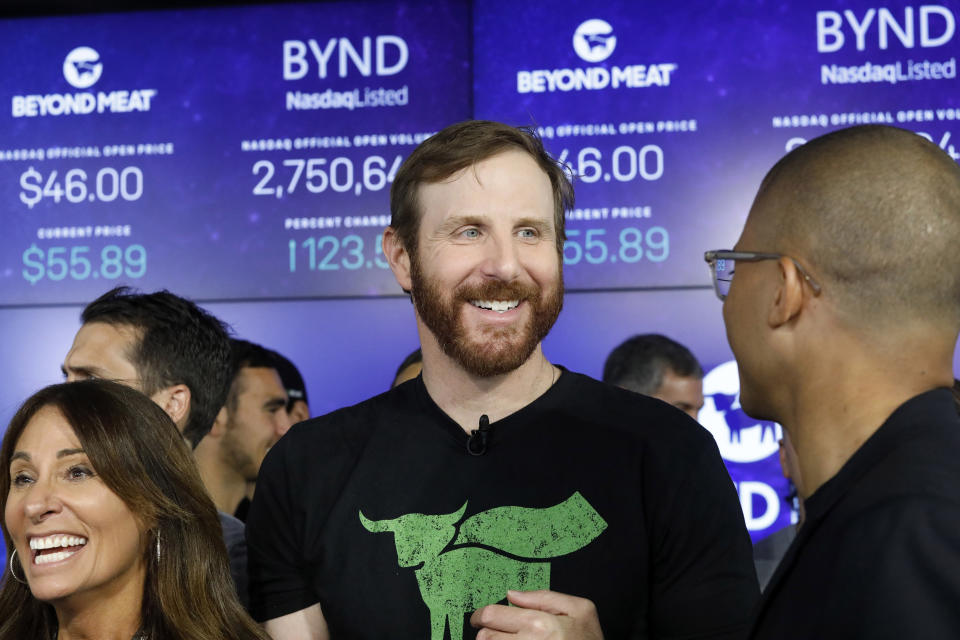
<point>495,478</point>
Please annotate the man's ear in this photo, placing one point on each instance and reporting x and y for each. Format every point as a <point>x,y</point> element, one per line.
<point>175,401</point>
<point>397,257</point>
<point>219,424</point>
<point>788,297</point>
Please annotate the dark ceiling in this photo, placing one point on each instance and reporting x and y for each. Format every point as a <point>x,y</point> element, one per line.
<point>17,8</point>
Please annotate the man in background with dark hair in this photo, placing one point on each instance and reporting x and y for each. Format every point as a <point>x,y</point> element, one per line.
<point>298,410</point>
<point>251,421</point>
<point>298,407</point>
<point>842,307</point>
<point>495,476</point>
<point>162,345</point>
<point>659,367</point>
<point>176,353</point>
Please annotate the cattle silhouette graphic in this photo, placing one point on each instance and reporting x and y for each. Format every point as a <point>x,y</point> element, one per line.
<point>85,68</point>
<point>740,438</point>
<point>463,567</point>
<point>737,420</point>
<point>597,40</point>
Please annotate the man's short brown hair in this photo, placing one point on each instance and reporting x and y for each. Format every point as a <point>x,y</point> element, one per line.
<point>460,146</point>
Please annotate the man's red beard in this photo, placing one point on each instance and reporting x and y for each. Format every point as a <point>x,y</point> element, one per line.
<point>498,351</point>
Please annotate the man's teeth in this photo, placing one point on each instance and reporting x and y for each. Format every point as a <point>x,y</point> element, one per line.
<point>496,305</point>
<point>56,541</point>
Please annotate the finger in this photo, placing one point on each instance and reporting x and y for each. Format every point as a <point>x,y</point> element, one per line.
<point>500,617</point>
<point>551,602</point>
<point>491,634</point>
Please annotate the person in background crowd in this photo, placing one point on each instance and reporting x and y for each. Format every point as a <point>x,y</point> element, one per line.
<point>768,552</point>
<point>111,533</point>
<point>495,476</point>
<point>842,307</point>
<point>298,408</point>
<point>173,351</point>
<point>657,366</point>
<point>249,423</point>
<point>409,369</point>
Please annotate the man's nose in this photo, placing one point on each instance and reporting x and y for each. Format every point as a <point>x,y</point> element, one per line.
<point>502,259</point>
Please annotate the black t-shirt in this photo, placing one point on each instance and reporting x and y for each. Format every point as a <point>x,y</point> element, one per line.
<point>878,556</point>
<point>379,512</point>
<point>243,508</point>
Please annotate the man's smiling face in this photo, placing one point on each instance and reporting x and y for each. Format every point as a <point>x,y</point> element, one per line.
<point>486,277</point>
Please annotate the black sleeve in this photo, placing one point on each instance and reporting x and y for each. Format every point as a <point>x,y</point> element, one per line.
<point>279,584</point>
<point>703,583</point>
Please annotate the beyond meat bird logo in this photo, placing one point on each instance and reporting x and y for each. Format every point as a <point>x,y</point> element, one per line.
<point>594,40</point>
<point>462,569</point>
<point>82,67</point>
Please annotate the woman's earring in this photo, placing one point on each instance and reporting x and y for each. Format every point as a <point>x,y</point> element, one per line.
<point>12,572</point>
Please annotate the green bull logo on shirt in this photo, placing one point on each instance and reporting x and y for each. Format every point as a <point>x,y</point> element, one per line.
<point>467,576</point>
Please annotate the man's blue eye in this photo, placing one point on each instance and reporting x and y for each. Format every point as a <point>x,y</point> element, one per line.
<point>471,233</point>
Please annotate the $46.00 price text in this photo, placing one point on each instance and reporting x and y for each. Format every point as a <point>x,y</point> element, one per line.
<point>106,185</point>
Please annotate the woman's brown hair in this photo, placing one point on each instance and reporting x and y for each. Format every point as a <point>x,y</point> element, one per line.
<point>139,454</point>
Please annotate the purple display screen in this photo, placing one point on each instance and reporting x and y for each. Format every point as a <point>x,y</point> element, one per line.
<point>230,153</point>
<point>671,115</point>
<point>246,154</point>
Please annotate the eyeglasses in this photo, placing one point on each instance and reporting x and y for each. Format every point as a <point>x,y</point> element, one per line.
<point>722,266</point>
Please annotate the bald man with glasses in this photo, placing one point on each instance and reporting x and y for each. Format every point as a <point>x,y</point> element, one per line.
<point>841,301</point>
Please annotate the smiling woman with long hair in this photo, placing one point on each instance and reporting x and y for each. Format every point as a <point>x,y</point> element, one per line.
<point>108,527</point>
